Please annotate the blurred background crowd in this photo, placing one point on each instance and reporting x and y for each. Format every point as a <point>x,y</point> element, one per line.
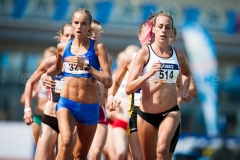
<point>28,27</point>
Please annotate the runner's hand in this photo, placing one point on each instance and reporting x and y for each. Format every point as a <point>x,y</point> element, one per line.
<point>156,67</point>
<point>28,118</point>
<point>186,97</point>
<point>112,104</point>
<point>48,82</point>
<point>75,60</point>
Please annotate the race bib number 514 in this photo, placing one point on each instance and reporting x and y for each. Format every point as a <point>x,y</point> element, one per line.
<point>168,73</point>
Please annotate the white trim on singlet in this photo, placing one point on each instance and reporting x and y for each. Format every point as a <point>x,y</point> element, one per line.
<point>137,96</point>
<point>43,92</point>
<point>133,58</point>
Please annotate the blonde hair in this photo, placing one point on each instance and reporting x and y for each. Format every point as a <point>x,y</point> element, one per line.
<point>51,49</point>
<point>174,32</point>
<point>120,55</point>
<point>84,11</point>
<point>162,13</point>
<point>131,49</point>
<point>61,32</point>
<point>148,33</point>
<point>144,23</point>
<point>152,16</point>
<point>96,27</point>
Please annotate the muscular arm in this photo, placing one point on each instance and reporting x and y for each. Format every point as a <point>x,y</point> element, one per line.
<point>185,71</point>
<point>179,89</point>
<point>120,73</point>
<point>110,61</point>
<point>35,78</point>
<point>57,66</point>
<point>192,88</point>
<point>105,76</point>
<point>134,82</point>
<point>34,93</point>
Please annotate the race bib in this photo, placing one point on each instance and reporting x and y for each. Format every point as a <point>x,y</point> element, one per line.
<point>59,85</point>
<point>73,69</point>
<point>137,99</point>
<point>168,73</point>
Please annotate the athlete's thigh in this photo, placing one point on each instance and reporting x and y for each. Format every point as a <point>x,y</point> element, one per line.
<point>168,127</point>
<point>108,149</point>
<point>120,140</point>
<point>35,130</point>
<point>66,122</point>
<point>100,136</point>
<point>46,142</point>
<point>135,145</point>
<point>75,136</point>
<point>147,134</point>
<point>85,134</point>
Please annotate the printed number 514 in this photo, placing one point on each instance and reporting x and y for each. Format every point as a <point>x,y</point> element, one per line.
<point>164,73</point>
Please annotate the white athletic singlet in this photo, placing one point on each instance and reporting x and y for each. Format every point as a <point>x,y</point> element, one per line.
<point>170,67</point>
<point>134,98</point>
<point>43,92</point>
